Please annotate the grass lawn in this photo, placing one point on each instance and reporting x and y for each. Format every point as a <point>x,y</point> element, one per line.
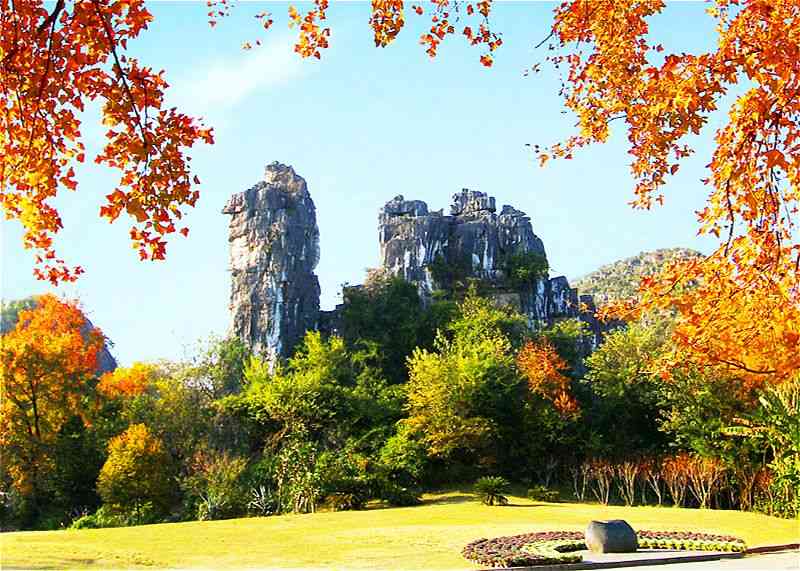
<point>429,536</point>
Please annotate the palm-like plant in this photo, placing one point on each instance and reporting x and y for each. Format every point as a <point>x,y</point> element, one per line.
<point>492,490</point>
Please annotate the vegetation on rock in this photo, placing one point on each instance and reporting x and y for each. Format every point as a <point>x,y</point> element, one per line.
<point>524,269</point>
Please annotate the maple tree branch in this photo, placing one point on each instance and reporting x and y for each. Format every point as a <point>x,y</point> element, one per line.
<point>120,73</point>
<point>51,19</point>
<point>37,112</point>
<point>10,55</point>
<point>550,35</point>
<point>744,367</point>
<point>730,216</point>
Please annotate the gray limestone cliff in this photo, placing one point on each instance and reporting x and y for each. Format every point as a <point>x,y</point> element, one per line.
<point>413,240</point>
<point>274,248</point>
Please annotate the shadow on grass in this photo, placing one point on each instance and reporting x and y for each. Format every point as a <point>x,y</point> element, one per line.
<point>533,505</point>
<point>451,499</point>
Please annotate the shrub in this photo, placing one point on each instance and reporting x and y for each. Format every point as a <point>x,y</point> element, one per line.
<point>354,498</point>
<point>105,517</point>
<point>344,479</point>
<point>404,457</point>
<point>262,501</point>
<point>542,494</point>
<point>216,484</point>
<point>492,490</point>
<point>398,495</point>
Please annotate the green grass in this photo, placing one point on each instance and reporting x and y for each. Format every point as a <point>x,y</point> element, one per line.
<point>429,536</point>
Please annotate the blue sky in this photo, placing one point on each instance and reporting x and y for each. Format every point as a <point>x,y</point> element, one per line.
<point>361,126</point>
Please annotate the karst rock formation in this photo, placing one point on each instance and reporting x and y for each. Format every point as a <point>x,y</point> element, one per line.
<point>475,234</point>
<point>274,248</point>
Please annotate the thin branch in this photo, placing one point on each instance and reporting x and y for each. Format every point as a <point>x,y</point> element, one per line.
<point>51,19</point>
<point>550,35</point>
<point>120,73</point>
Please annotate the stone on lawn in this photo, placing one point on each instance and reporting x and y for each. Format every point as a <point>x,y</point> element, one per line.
<point>613,536</point>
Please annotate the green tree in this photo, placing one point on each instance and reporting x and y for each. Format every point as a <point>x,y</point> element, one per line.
<point>329,401</point>
<point>9,312</point>
<point>478,318</point>
<point>523,269</point>
<point>175,411</point>
<point>305,395</point>
<point>775,424</point>
<point>466,398</point>
<point>325,391</point>
<point>570,337</point>
<point>219,367</point>
<point>622,373</point>
<point>386,311</point>
<point>697,406</point>
<point>79,456</point>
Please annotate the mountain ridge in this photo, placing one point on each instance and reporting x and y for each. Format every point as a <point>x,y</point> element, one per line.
<point>620,279</point>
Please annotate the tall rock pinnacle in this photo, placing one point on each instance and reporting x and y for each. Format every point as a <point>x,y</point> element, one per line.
<point>274,242</point>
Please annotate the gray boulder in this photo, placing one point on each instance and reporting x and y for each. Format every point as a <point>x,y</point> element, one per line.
<point>613,536</point>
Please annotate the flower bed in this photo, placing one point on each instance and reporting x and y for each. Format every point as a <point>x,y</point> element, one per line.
<point>558,547</point>
<point>687,540</point>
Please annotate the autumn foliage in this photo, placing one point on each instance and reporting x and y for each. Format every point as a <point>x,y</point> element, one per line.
<point>127,381</point>
<point>56,58</point>
<point>544,369</point>
<point>137,472</point>
<point>47,362</point>
<point>737,310</point>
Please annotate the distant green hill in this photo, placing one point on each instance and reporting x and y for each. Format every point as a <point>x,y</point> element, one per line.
<point>620,280</point>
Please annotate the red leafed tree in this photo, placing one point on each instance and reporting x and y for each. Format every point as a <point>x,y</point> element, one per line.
<point>54,59</point>
<point>543,368</point>
<point>47,362</point>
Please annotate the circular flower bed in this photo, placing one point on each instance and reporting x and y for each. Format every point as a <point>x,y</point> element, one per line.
<point>557,547</point>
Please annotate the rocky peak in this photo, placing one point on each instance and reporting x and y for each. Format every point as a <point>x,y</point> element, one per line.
<point>399,206</point>
<point>283,176</point>
<point>274,245</point>
<point>414,241</point>
<point>471,202</point>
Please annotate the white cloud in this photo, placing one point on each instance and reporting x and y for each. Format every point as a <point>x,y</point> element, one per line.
<point>225,83</point>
